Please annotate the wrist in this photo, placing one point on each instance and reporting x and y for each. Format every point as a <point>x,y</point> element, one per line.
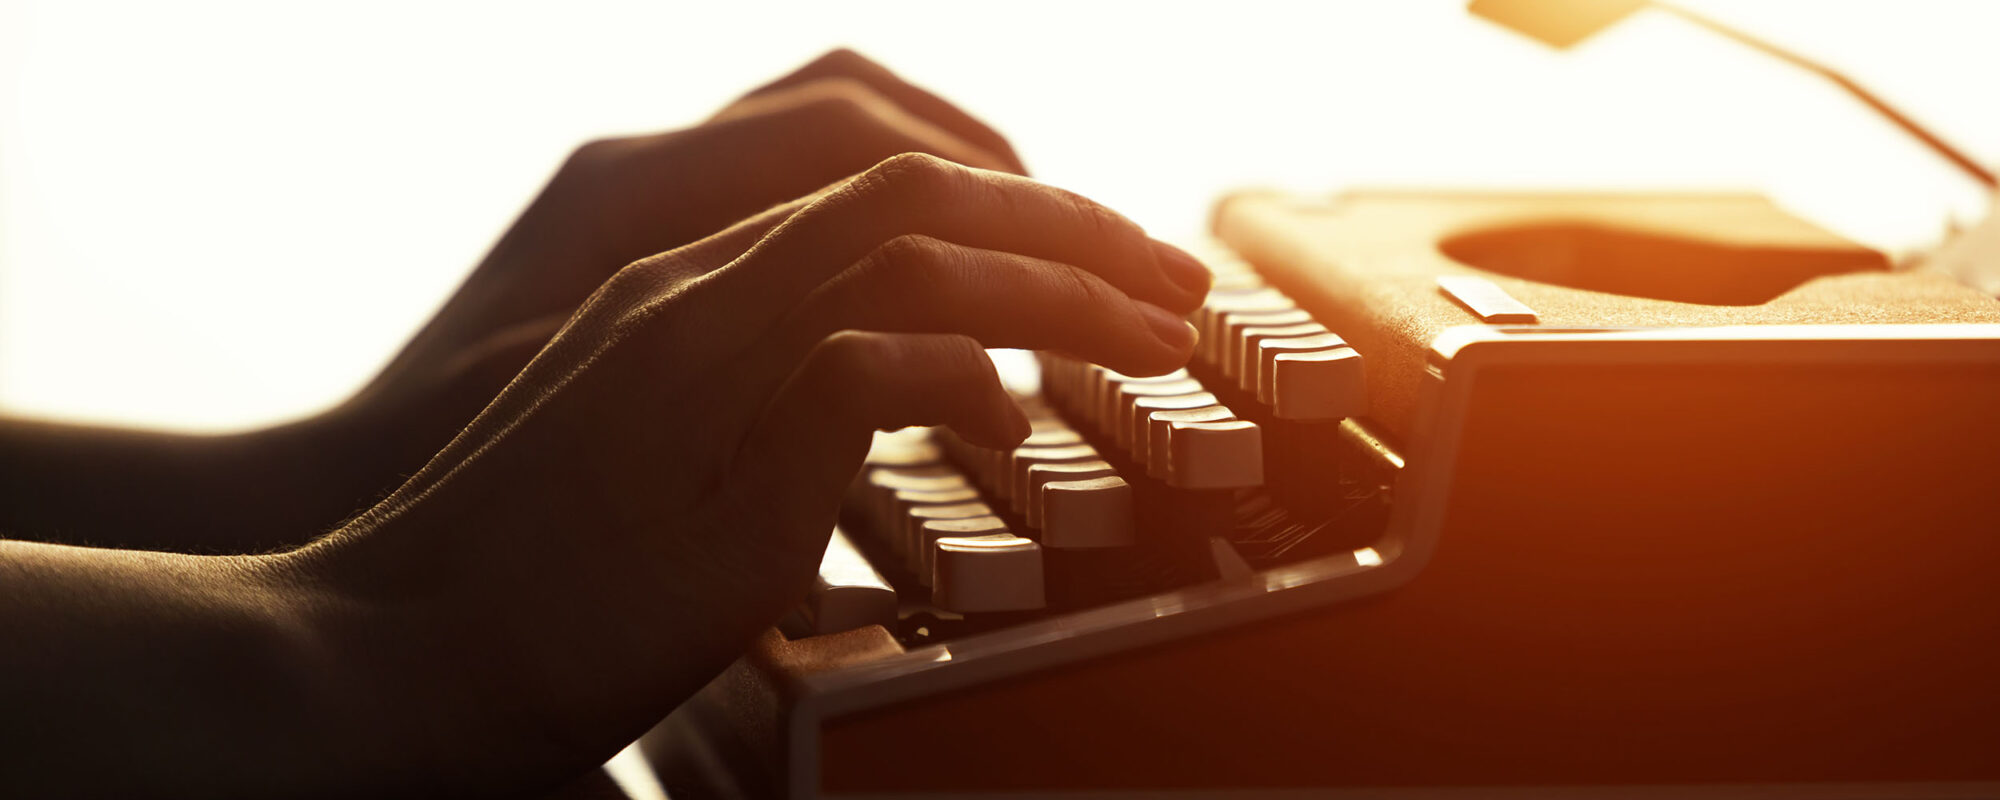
<point>429,687</point>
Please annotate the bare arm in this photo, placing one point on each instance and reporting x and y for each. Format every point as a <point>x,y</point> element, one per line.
<point>241,493</point>
<point>652,492</point>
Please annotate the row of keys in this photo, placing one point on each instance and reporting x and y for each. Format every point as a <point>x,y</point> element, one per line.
<point>927,514</point>
<point>1170,423</point>
<point>1260,340</point>
<point>1069,495</point>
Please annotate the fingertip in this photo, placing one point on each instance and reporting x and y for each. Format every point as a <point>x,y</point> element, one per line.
<point>1012,423</point>
<point>1185,271</point>
<point>1170,329</point>
<point>1005,428</point>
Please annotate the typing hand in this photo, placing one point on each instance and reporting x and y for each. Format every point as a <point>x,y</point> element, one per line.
<point>657,486</point>
<point>617,200</point>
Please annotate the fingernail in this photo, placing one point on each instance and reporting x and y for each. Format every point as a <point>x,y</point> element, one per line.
<point>1182,268</point>
<point>1168,327</point>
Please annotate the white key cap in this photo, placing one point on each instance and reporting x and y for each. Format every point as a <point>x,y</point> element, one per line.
<point>1040,474</point>
<point>1215,455</point>
<point>1250,341</point>
<point>1109,393</point>
<point>1118,409</point>
<point>928,478</point>
<point>903,448</point>
<point>1219,305</point>
<point>1318,385</point>
<point>1132,431</point>
<point>1229,342</point>
<point>1096,512</point>
<point>903,500</point>
<point>848,593</point>
<point>1267,354</point>
<point>1234,280</point>
<point>882,484</point>
<point>1159,454</point>
<point>994,469</point>
<point>914,518</point>
<point>987,573</point>
<point>1027,457</point>
<point>1056,434</point>
<point>935,529</point>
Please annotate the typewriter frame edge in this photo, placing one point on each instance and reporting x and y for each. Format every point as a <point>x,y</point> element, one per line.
<point>1423,489</point>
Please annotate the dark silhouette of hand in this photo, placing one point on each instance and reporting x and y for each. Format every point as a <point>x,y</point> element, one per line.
<point>620,199</point>
<point>711,321</point>
<point>655,488</point>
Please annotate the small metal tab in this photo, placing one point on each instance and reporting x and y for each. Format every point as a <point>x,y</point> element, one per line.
<point>1485,299</point>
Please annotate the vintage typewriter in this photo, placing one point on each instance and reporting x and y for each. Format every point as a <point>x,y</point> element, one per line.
<point>1522,492</point>
<point>1460,490</point>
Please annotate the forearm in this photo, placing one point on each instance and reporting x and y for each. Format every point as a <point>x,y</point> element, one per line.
<point>241,493</point>
<point>136,674</point>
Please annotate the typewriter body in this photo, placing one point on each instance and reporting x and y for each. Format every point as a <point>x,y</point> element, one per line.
<point>1584,491</point>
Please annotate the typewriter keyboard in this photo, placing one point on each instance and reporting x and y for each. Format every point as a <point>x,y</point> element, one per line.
<point>1127,486</point>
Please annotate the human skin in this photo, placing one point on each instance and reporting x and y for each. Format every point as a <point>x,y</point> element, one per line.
<point>613,201</point>
<point>651,491</point>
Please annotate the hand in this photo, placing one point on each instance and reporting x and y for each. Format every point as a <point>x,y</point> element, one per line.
<point>657,486</point>
<point>617,200</point>
<point>613,201</point>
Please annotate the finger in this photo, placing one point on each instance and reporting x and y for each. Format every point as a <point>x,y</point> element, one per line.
<point>916,284</point>
<point>845,63</point>
<point>857,120</point>
<point>916,194</point>
<point>816,429</point>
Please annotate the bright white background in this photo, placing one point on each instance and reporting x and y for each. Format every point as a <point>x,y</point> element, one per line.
<point>217,215</point>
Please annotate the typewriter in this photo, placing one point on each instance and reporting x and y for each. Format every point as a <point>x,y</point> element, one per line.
<point>1460,490</point>
<point>1462,493</point>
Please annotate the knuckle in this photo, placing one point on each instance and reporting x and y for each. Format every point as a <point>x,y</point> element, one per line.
<point>924,270</point>
<point>908,256</point>
<point>906,184</point>
<point>921,174</point>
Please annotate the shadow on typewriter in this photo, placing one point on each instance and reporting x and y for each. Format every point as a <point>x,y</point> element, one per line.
<point>1534,493</point>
